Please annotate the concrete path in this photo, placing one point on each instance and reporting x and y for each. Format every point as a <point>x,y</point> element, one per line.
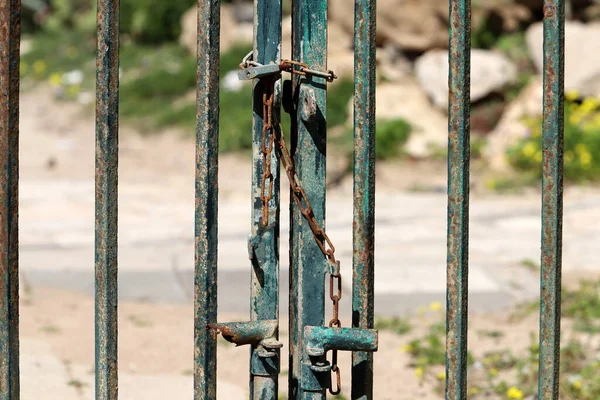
<point>156,244</point>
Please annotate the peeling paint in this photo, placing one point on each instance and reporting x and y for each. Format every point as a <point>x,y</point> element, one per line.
<point>458,199</point>
<point>206,200</point>
<point>10,27</point>
<point>107,157</point>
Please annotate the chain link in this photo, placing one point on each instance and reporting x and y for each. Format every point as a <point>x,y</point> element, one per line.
<point>268,141</point>
<point>322,240</point>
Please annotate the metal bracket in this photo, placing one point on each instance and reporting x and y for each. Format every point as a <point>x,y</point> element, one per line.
<point>320,339</point>
<point>262,334</point>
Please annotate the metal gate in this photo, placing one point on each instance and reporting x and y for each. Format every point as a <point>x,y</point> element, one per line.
<point>314,270</point>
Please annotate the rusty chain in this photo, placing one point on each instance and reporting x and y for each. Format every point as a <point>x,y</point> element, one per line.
<point>268,141</point>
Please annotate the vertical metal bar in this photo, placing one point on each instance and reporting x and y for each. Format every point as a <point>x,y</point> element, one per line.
<point>264,240</point>
<point>307,264</point>
<point>10,35</point>
<point>458,199</point>
<point>552,198</point>
<point>207,147</point>
<point>364,190</point>
<point>107,156</point>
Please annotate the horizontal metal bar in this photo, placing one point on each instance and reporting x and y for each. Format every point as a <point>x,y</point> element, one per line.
<point>320,339</point>
<point>251,332</point>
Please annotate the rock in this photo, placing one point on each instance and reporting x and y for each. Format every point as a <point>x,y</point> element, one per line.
<point>582,55</point>
<point>511,128</point>
<point>490,72</point>
<point>411,24</point>
<point>232,31</point>
<point>407,100</point>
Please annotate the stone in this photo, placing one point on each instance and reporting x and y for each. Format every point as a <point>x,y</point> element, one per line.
<point>511,128</point>
<point>412,25</point>
<point>406,99</point>
<point>582,55</point>
<point>490,72</point>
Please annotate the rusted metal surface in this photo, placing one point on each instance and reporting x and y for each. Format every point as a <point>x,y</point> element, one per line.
<point>206,200</point>
<point>264,236</point>
<point>308,148</point>
<point>363,232</point>
<point>320,339</point>
<point>552,198</point>
<point>10,27</point>
<point>458,200</point>
<point>242,333</point>
<point>107,147</point>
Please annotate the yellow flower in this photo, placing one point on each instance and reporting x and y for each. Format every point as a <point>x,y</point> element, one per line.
<point>572,95</point>
<point>407,348</point>
<point>441,376</point>
<point>55,79</point>
<point>435,306</point>
<point>39,67</point>
<point>575,118</point>
<point>474,390</point>
<point>491,184</point>
<point>493,372</point>
<point>585,157</point>
<point>514,393</point>
<point>576,384</point>
<point>419,372</point>
<point>529,150</point>
<point>589,105</point>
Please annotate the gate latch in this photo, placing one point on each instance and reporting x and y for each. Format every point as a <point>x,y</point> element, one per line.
<point>253,70</point>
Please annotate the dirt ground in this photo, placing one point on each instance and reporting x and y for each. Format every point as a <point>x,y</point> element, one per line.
<point>157,339</point>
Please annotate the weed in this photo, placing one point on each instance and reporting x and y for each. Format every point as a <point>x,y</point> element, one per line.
<point>399,326</point>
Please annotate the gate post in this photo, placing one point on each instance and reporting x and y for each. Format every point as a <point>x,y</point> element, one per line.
<point>308,267</point>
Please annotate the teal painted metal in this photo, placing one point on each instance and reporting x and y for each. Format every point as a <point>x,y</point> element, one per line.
<point>307,264</point>
<point>264,239</point>
<point>320,339</point>
<point>10,35</point>
<point>107,156</point>
<point>552,198</point>
<point>458,199</point>
<point>363,302</point>
<point>206,200</point>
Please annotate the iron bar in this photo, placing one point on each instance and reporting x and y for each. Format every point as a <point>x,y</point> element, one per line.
<point>265,236</point>
<point>320,339</point>
<point>364,191</point>
<point>206,200</point>
<point>107,157</point>
<point>307,264</point>
<point>458,199</point>
<point>552,198</point>
<point>10,36</point>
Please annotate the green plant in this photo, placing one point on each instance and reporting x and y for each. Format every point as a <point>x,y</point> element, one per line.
<point>581,142</point>
<point>390,136</point>
<point>397,325</point>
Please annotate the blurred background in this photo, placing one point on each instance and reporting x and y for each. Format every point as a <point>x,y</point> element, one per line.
<point>156,196</point>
